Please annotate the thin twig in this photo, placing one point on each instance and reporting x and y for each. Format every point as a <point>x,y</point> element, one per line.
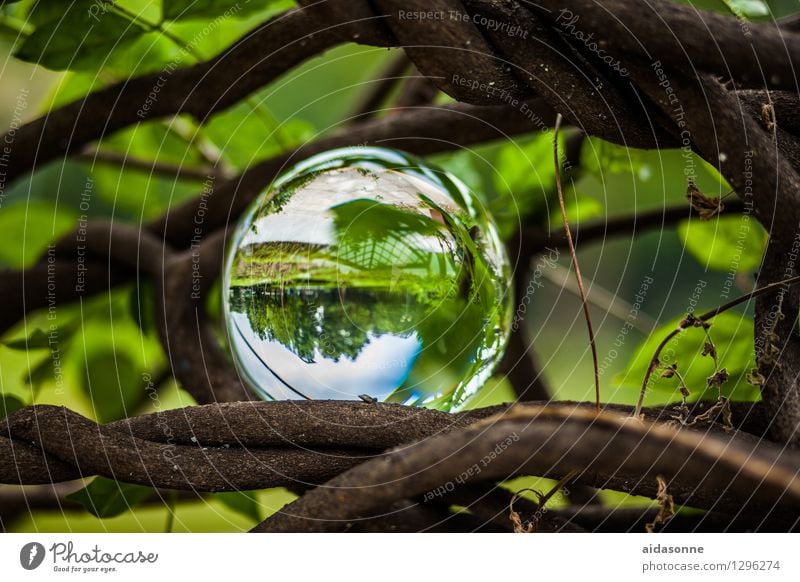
<point>191,133</point>
<point>417,91</point>
<point>379,89</point>
<point>574,256</point>
<point>174,171</point>
<point>654,362</point>
<point>536,238</point>
<point>172,498</point>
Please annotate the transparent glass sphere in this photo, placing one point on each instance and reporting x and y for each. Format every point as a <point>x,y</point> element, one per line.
<point>366,271</point>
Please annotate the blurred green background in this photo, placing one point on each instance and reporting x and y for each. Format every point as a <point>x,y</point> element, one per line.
<point>109,348</point>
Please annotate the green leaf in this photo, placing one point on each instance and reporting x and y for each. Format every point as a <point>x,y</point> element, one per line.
<point>113,383</point>
<point>462,164</point>
<point>243,502</point>
<point>42,372</point>
<point>105,498</point>
<point>524,180</point>
<point>245,136</point>
<point>12,29</point>
<point>748,8</point>
<point>187,9</point>
<point>135,193</point>
<point>47,11</point>
<point>726,243</point>
<point>28,228</point>
<point>38,340</point>
<point>83,37</point>
<point>71,86</point>
<point>600,157</point>
<point>9,405</point>
<point>147,53</point>
<point>529,168</point>
<point>733,338</point>
<point>579,208</point>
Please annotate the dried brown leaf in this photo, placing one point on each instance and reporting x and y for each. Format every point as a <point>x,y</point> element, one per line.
<point>706,206</point>
<point>718,378</point>
<point>666,506</point>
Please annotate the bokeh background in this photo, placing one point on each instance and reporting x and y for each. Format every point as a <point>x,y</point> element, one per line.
<point>110,349</point>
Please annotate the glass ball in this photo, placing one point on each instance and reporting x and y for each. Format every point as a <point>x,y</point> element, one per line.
<point>366,271</point>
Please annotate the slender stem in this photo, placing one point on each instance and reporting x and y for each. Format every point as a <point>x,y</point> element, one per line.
<point>192,134</point>
<point>172,498</point>
<point>574,256</point>
<point>149,166</point>
<point>557,487</point>
<point>654,362</point>
<point>381,87</point>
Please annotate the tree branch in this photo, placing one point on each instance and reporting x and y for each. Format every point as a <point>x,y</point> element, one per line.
<point>714,472</point>
<point>201,90</point>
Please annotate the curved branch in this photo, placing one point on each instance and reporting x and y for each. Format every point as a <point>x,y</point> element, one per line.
<point>684,38</point>
<point>761,174</point>
<point>94,156</point>
<point>314,428</point>
<point>448,50</point>
<point>77,447</point>
<point>704,471</point>
<point>193,350</point>
<point>588,96</point>
<point>321,423</point>
<point>306,423</point>
<point>257,59</point>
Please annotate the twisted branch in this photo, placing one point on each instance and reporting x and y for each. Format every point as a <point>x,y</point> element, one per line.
<point>302,445</point>
<point>610,451</point>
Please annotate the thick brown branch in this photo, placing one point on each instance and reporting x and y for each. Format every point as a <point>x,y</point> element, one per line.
<point>77,447</point>
<point>193,349</point>
<point>715,472</point>
<point>285,432</point>
<point>683,38</point>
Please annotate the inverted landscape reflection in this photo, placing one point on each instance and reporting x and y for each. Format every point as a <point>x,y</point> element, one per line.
<point>364,271</point>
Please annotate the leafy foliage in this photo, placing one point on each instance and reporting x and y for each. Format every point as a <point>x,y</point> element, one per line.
<point>748,8</point>
<point>36,341</point>
<point>56,45</point>
<point>202,9</point>
<point>732,335</point>
<point>524,179</point>
<point>242,502</point>
<point>726,243</point>
<point>113,383</point>
<point>104,346</point>
<point>9,405</point>
<point>28,229</point>
<point>106,498</point>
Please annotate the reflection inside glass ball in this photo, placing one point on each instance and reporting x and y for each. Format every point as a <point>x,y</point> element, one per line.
<point>366,271</point>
